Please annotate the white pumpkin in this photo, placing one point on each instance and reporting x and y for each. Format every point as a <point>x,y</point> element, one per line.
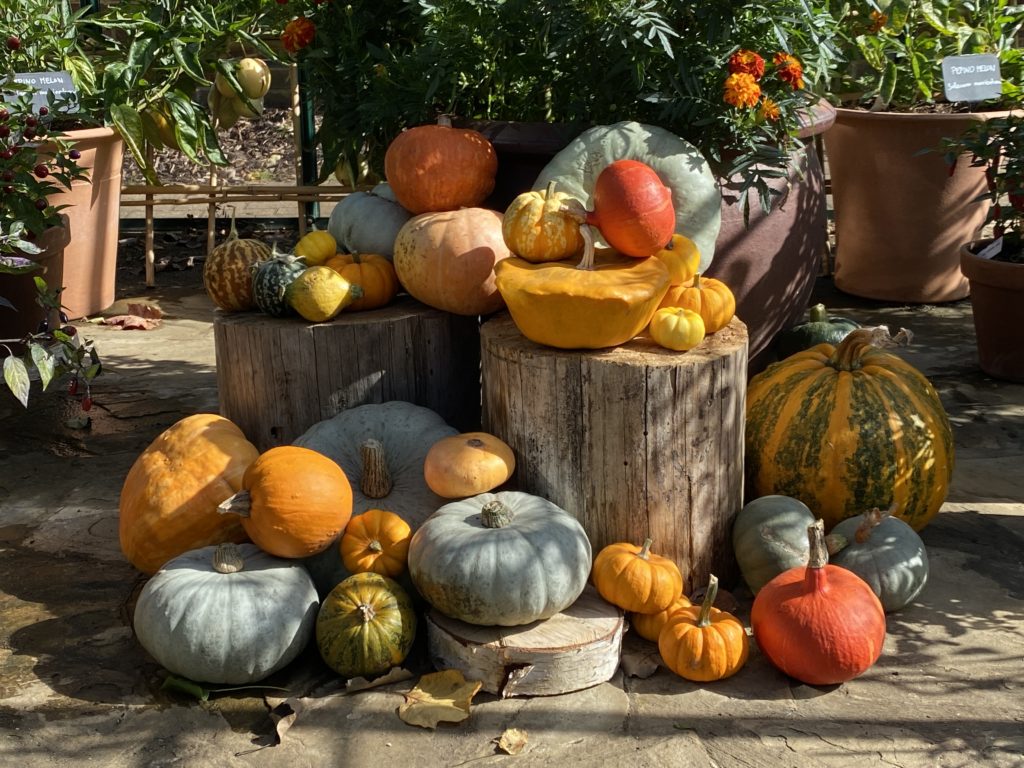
<point>500,559</point>
<point>368,222</point>
<point>679,165</point>
<point>226,614</point>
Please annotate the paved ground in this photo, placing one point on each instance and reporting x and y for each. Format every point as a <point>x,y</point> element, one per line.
<point>76,689</point>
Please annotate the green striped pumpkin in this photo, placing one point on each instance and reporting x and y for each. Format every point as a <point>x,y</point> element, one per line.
<point>271,279</point>
<point>227,272</point>
<point>847,428</point>
<point>366,625</point>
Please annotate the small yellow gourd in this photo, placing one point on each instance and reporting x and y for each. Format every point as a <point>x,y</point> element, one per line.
<point>676,328</point>
<point>320,293</point>
<point>316,247</point>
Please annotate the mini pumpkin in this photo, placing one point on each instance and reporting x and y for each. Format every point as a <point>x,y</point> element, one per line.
<point>676,328</point>
<point>702,643</point>
<point>649,625</point>
<point>294,501</point>
<point>374,275</point>
<point>376,541</point>
<point>468,464</point>
<point>708,297</point>
<point>316,246</point>
<point>635,579</point>
<point>536,227</point>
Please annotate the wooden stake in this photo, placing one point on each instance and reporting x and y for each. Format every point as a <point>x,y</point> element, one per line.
<point>211,213</point>
<point>150,237</point>
<point>293,78</point>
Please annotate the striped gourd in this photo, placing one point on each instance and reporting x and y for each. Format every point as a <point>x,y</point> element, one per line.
<point>227,273</point>
<point>847,428</point>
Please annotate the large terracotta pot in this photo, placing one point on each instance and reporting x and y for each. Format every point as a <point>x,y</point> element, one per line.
<point>90,260</point>
<point>900,216</point>
<point>997,301</point>
<point>20,290</point>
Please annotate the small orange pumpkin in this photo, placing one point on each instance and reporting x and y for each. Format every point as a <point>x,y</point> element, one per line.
<point>464,465</point>
<point>649,625</point>
<point>708,297</point>
<point>635,579</point>
<point>682,258</point>
<point>376,541</point>
<point>537,229</point>
<point>371,272</point>
<point>702,643</point>
<point>294,501</point>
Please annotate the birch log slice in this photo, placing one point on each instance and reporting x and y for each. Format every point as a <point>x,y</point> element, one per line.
<point>575,649</point>
<point>635,441</point>
<point>276,377</point>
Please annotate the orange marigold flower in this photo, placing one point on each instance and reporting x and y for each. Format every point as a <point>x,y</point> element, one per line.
<point>789,69</point>
<point>298,34</point>
<point>741,90</point>
<point>769,110</point>
<point>878,20</point>
<point>747,61</point>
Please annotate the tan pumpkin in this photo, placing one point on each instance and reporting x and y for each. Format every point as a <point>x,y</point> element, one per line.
<point>169,499</point>
<point>376,541</point>
<point>536,227</point>
<point>447,259</point>
<point>227,272</point>
<point>468,464</point>
<point>440,168</point>
<point>372,272</point>
<point>708,297</point>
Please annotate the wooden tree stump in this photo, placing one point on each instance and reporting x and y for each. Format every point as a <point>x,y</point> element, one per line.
<point>276,377</point>
<point>634,441</point>
<point>575,649</point>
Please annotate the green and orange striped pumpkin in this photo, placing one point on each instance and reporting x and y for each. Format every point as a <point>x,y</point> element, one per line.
<point>228,271</point>
<point>847,428</point>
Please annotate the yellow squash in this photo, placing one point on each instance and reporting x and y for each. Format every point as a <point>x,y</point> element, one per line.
<point>320,293</point>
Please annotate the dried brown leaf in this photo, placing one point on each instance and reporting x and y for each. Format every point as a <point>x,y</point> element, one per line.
<point>439,697</point>
<point>131,322</point>
<point>512,741</point>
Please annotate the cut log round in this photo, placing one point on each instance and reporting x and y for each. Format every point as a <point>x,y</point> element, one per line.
<point>635,441</point>
<point>575,649</point>
<point>276,377</point>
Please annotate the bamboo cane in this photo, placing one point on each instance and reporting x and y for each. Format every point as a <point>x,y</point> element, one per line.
<point>150,235</point>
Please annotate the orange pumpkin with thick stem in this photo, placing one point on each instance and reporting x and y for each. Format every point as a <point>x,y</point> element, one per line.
<point>294,501</point>
<point>371,272</point>
<point>464,465</point>
<point>635,579</point>
<point>702,643</point>
<point>708,297</point>
<point>169,499</point>
<point>648,625</point>
<point>376,541</point>
<point>633,209</point>
<point>440,168</point>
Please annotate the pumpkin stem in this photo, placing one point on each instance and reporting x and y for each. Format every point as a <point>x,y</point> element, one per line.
<point>847,356</point>
<point>240,504</point>
<point>549,190</point>
<point>445,121</point>
<point>872,519</point>
<point>233,232</point>
<point>587,262</point>
<point>818,314</point>
<point>475,442</point>
<point>366,613</point>
<point>696,281</point>
<point>704,618</point>
<point>495,514</point>
<point>819,553</point>
<point>375,482</point>
<point>645,550</point>
<point>375,546</point>
<point>227,558</point>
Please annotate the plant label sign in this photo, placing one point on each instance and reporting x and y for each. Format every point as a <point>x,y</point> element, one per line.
<point>43,82</point>
<point>972,77</point>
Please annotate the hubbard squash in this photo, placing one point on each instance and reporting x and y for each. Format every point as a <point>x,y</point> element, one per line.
<point>769,536</point>
<point>169,499</point>
<point>632,209</point>
<point>368,222</point>
<point>841,428</point>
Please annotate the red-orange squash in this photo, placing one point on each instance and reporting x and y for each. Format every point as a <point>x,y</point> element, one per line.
<point>447,259</point>
<point>633,209</point>
<point>294,501</point>
<point>169,499</point>
<point>372,272</point>
<point>440,168</point>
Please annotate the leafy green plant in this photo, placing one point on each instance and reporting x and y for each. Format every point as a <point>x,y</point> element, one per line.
<point>893,49</point>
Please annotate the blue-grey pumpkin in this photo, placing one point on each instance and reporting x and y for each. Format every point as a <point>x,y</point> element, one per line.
<point>769,536</point>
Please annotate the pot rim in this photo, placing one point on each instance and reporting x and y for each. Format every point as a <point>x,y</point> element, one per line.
<point>1000,274</point>
<point>926,116</point>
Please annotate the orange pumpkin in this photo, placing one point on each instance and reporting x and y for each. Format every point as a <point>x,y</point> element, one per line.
<point>294,501</point>
<point>649,625</point>
<point>371,272</point>
<point>169,499</point>
<point>682,258</point>
<point>538,230</point>
<point>440,168</point>
<point>708,297</point>
<point>376,541</point>
<point>464,465</point>
<point>635,579</point>
<point>447,259</point>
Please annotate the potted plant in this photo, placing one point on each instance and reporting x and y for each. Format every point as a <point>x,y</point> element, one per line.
<point>36,163</point>
<point>900,215</point>
<point>375,69</point>
<point>995,266</point>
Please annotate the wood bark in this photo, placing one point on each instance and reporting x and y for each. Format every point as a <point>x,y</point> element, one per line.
<point>575,649</point>
<point>634,441</point>
<point>276,377</point>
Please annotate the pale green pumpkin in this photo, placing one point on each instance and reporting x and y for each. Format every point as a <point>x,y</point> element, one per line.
<point>769,536</point>
<point>368,222</point>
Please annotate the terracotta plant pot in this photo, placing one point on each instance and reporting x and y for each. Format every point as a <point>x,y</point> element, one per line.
<point>90,260</point>
<point>900,216</point>
<point>20,290</point>
<point>997,301</point>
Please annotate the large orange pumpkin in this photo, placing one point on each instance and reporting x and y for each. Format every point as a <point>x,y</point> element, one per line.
<point>440,168</point>
<point>447,259</point>
<point>294,501</point>
<point>373,273</point>
<point>169,498</point>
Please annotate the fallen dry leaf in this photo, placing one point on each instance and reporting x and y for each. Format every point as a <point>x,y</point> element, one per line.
<point>512,741</point>
<point>639,658</point>
<point>283,716</point>
<point>439,697</point>
<point>131,322</point>
<point>396,675</point>
<point>146,310</point>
